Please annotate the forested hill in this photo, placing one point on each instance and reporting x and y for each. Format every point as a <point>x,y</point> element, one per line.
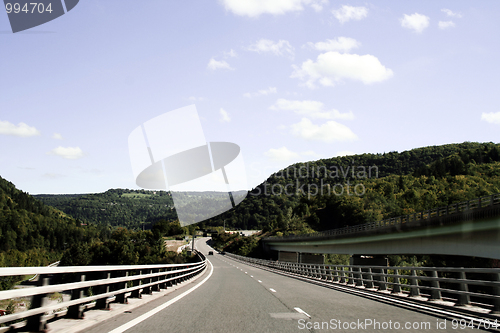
<point>32,233</point>
<point>394,184</point>
<point>350,190</point>
<point>115,207</point>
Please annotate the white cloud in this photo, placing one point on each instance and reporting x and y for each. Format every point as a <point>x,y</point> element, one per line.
<point>332,67</point>
<point>194,98</point>
<point>347,13</point>
<point>328,132</point>
<point>450,13</point>
<point>341,44</point>
<point>254,8</point>
<point>214,64</point>
<point>261,92</point>
<point>344,153</point>
<point>230,54</point>
<point>281,154</point>
<point>311,109</point>
<point>20,129</point>
<point>266,45</point>
<point>70,153</point>
<point>57,136</point>
<point>309,153</point>
<point>224,116</point>
<point>446,24</point>
<point>53,175</point>
<point>416,22</point>
<point>491,117</point>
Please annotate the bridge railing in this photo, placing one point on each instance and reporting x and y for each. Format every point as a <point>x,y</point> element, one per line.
<point>460,286</point>
<point>90,287</point>
<point>419,218</point>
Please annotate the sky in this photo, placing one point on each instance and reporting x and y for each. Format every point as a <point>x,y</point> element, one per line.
<point>287,80</point>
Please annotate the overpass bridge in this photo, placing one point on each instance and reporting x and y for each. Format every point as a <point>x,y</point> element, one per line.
<point>469,228</point>
<point>229,293</point>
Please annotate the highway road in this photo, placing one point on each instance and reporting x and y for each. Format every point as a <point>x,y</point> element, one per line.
<point>235,297</point>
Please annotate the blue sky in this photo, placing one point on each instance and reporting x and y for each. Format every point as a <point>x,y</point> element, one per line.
<point>287,80</point>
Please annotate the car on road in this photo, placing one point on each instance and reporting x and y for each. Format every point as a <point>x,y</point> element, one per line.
<point>210,253</point>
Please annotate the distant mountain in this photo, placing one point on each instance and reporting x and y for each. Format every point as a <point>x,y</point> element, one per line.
<point>134,209</point>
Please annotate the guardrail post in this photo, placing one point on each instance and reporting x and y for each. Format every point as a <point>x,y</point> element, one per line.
<point>435,293</point>
<point>335,274</point>
<point>38,323</point>
<point>102,302</point>
<point>359,281</point>
<point>382,285</point>
<point>122,297</point>
<point>463,299</point>
<point>328,271</point>
<point>163,285</point>
<point>369,283</point>
<point>350,273</point>
<point>342,275</point>
<point>76,311</point>
<point>496,291</point>
<point>396,289</point>
<point>138,292</point>
<point>414,290</point>
<point>148,290</point>
<point>156,287</point>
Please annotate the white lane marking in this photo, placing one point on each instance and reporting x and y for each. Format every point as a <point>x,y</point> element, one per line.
<point>299,310</point>
<point>246,273</point>
<point>259,281</point>
<point>251,275</point>
<point>145,316</point>
<point>272,290</point>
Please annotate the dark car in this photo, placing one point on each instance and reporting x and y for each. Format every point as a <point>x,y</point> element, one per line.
<point>210,253</point>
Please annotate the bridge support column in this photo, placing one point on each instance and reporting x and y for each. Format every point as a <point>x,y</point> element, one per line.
<point>289,256</point>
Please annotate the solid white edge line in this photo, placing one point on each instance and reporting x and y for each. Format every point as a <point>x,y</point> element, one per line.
<point>299,310</point>
<point>145,316</point>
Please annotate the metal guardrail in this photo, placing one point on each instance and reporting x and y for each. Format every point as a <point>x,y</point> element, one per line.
<point>415,219</point>
<point>95,287</point>
<point>35,277</point>
<point>405,281</point>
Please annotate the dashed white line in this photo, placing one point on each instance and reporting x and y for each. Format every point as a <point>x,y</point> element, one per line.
<point>272,290</point>
<point>259,281</point>
<point>299,310</point>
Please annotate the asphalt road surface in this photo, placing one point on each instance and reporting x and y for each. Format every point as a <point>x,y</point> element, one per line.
<point>240,298</point>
